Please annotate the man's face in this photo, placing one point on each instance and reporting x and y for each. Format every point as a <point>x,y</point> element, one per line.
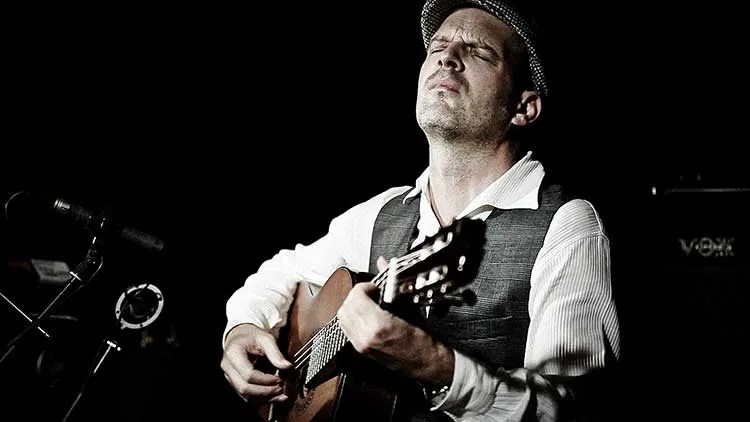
<point>465,82</point>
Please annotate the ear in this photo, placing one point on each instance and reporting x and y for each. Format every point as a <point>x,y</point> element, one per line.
<point>528,109</point>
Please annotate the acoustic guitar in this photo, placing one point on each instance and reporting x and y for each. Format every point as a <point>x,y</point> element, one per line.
<point>329,381</point>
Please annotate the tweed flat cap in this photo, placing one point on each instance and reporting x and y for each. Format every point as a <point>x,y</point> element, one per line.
<point>509,12</point>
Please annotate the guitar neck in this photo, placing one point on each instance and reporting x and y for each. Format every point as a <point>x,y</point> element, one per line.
<point>327,343</point>
<point>417,279</point>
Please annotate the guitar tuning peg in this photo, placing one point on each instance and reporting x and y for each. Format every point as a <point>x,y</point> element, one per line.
<point>461,263</point>
<point>434,276</point>
<point>420,282</point>
<point>444,287</point>
<point>438,244</point>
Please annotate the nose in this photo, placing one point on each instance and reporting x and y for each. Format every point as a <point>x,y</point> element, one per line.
<point>450,58</point>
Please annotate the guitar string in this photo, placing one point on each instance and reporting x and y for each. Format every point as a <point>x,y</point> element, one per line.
<point>378,279</point>
<point>303,354</point>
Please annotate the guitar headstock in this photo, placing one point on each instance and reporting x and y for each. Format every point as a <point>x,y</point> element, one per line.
<point>434,269</point>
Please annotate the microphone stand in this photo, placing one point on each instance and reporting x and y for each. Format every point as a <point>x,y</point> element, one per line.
<point>27,318</point>
<point>123,312</point>
<point>84,272</point>
<point>104,349</point>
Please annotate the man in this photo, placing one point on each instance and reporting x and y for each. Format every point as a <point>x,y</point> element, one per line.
<point>544,323</point>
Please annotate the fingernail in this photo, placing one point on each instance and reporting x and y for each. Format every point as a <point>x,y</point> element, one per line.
<point>279,398</point>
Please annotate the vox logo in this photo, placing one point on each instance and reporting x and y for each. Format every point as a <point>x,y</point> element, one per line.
<point>708,246</point>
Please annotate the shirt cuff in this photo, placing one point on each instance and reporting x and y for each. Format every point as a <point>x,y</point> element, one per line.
<point>464,383</point>
<point>471,391</point>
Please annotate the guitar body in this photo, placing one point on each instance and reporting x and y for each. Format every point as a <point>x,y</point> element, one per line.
<point>357,389</point>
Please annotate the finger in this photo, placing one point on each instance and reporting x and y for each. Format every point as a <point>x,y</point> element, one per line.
<point>382,263</point>
<point>250,390</point>
<point>363,292</point>
<point>355,313</point>
<point>233,387</point>
<point>272,352</point>
<point>279,398</point>
<point>237,360</point>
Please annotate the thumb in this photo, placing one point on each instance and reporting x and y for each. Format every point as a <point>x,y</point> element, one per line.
<point>272,352</point>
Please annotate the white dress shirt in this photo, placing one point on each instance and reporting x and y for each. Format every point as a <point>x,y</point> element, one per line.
<point>570,300</point>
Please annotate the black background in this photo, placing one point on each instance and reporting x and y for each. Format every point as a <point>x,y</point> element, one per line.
<point>232,132</point>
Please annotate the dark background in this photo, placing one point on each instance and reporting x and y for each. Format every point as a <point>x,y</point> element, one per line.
<point>233,132</point>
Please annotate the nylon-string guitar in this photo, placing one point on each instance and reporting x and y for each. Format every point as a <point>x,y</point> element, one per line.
<point>329,381</point>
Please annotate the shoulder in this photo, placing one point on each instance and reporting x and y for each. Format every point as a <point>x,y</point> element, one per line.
<point>577,216</point>
<point>384,197</point>
<point>574,222</point>
<point>374,204</point>
<point>391,193</point>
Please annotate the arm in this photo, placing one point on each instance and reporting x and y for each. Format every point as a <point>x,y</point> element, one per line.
<point>265,298</point>
<point>257,310</point>
<point>572,332</point>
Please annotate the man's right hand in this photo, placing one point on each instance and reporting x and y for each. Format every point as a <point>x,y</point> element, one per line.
<point>242,347</point>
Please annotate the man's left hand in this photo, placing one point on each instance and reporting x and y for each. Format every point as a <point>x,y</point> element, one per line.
<point>392,341</point>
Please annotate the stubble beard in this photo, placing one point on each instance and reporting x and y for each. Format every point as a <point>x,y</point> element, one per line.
<point>452,124</point>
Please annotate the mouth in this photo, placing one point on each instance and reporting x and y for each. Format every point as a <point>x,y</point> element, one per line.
<point>445,86</point>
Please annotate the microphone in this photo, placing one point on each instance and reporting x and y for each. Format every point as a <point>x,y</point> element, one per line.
<point>101,222</point>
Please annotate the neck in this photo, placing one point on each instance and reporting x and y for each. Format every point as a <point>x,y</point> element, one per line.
<point>458,173</point>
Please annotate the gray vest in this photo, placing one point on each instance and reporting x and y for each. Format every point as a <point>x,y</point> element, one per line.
<point>494,329</point>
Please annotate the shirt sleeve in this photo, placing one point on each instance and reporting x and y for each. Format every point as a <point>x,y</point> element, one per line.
<point>573,329</point>
<point>266,296</point>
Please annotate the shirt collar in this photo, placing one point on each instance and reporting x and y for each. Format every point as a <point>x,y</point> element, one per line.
<point>516,188</point>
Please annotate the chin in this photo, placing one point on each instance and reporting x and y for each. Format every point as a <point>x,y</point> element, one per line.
<point>440,127</point>
<point>436,111</point>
